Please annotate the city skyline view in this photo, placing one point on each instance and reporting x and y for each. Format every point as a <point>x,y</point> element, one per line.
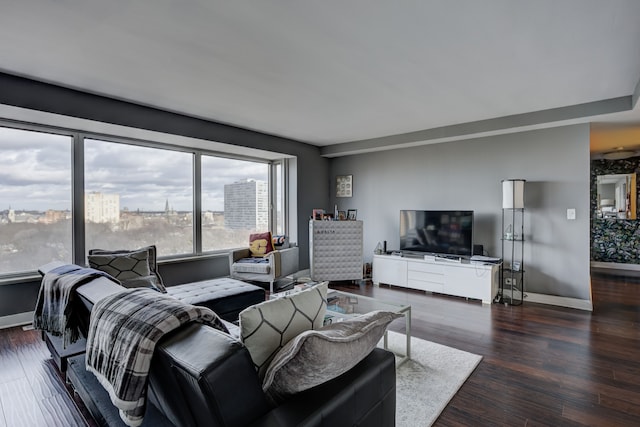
<point>36,174</point>
<point>134,196</point>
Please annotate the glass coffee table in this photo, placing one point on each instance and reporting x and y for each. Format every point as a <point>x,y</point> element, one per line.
<point>342,305</point>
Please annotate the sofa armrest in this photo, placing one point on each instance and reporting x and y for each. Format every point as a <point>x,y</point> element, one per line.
<point>202,376</point>
<point>289,261</point>
<point>274,258</point>
<point>237,254</point>
<point>362,396</point>
<point>283,261</point>
<point>44,269</point>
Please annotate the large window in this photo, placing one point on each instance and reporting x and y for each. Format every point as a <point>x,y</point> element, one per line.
<point>277,191</point>
<point>235,201</point>
<point>132,194</point>
<point>137,196</point>
<point>35,199</point>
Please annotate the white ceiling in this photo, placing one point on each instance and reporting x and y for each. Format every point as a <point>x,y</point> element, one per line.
<point>327,72</point>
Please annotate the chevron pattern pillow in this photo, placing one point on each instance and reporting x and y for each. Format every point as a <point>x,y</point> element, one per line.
<point>266,327</point>
<point>152,279</point>
<point>132,265</point>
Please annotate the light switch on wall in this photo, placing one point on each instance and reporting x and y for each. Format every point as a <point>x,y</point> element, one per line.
<point>571,214</point>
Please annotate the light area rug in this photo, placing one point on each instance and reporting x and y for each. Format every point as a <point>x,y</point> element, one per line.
<point>426,383</point>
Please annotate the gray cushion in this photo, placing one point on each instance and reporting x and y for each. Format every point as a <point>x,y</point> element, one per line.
<point>266,327</point>
<point>225,296</point>
<point>317,356</point>
<point>257,268</point>
<point>153,278</point>
<point>196,293</point>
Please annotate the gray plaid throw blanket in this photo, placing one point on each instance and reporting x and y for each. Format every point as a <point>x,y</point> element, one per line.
<point>53,312</point>
<point>123,333</point>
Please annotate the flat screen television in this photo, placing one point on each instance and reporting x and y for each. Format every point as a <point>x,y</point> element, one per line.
<point>437,232</point>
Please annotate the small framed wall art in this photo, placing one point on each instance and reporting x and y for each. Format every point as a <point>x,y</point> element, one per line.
<point>344,186</point>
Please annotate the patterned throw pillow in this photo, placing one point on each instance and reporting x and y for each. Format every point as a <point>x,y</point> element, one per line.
<point>260,244</point>
<point>315,357</point>
<point>280,242</point>
<point>152,279</point>
<point>266,327</point>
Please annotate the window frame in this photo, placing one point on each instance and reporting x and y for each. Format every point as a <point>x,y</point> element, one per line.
<point>77,153</point>
<point>283,185</point>
<point>270,169</point>
<point>15,277</point>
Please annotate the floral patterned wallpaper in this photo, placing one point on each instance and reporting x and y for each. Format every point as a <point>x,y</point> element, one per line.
<point>614,240</point>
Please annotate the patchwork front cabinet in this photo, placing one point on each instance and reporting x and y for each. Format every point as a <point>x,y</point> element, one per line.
<point>335,250</point>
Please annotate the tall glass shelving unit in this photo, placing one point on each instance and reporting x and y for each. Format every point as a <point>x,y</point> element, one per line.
<point>512,271</point>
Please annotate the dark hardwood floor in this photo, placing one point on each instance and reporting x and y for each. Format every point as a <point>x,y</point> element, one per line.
<point>32,392</point>
<point>542,365</point>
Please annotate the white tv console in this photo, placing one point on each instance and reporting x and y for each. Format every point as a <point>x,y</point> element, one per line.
<point>459,278</point>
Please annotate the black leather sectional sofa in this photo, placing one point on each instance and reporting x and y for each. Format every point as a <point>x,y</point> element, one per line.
<point>201,376</point>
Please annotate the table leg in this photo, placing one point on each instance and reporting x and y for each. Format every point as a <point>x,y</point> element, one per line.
<point>407,331</point>
<point>401,358</point>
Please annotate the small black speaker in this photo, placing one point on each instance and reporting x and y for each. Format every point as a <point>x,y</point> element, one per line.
<point>478,250</point>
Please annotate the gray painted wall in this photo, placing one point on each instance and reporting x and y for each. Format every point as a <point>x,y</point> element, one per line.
<point>456,175</point>
<point>466,175</point>
<point>19,297</point>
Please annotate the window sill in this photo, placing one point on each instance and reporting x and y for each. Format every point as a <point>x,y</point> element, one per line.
<point>34,276</point>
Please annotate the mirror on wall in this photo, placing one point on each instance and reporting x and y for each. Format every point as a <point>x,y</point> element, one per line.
<point>616,196</point>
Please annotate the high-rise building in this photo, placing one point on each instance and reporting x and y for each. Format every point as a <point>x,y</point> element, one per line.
<point>246,205</point>
<point>101,207</point>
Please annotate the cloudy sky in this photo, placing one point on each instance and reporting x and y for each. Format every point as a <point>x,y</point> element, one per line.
<point>35,174</point>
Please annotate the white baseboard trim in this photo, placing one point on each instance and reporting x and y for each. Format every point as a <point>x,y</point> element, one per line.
<point>16,320</point>
<point>580,304</point>
<point>615,265</point>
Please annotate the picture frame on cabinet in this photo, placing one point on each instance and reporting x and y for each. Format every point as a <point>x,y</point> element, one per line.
<point>342,215</point>
<point>352,214</point>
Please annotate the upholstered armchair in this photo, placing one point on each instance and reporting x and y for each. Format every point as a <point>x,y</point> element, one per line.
<point>265,269</point>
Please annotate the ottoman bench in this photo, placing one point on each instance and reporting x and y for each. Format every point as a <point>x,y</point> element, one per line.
<point>225,296</point>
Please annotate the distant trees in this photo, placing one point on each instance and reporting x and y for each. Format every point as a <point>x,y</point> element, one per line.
<point>24,246</point>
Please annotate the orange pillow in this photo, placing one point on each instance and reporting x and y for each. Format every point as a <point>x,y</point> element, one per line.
<point>260,244</point>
